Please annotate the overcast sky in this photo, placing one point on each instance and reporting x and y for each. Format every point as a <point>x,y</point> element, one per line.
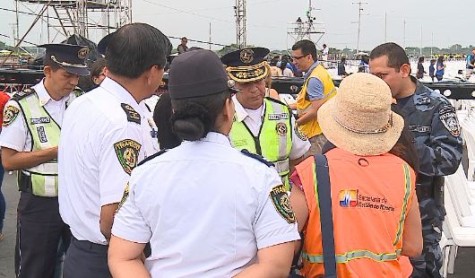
<point>443,22</point>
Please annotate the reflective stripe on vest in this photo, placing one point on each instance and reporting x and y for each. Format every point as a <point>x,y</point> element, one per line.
<point>45,134</point>
<point>312,128</point>
<point>407,192</point>
<point>274,140</point>
<point>348,256</point>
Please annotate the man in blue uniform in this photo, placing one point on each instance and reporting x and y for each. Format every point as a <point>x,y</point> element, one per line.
<point>434,124</point>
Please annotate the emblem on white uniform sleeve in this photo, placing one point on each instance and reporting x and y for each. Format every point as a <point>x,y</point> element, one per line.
<point>281,129</point>
<point>300,134</point>
<point>281,202</point>
<point>127,152</point>
<point>124,197</point>
<point>10,114</point>
<point>448,117</point>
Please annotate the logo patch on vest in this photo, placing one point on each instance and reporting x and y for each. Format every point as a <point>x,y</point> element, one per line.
<point>281,202</point>
<point>127,152</point>
<point>300,134</point>
<point>449,119</point>
<point>40,120</point>
<point>42,134</point>
<point>132,115</point>
<point>281,129</point>
<point>10,114</point>
<point>278,116</point>
<point>348,198</point>
<point>124,197</point>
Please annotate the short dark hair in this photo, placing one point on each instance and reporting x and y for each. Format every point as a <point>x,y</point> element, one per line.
<point>307,47</point>
<point>97,67</point>
<point>135,48</point>
<point>162,118</point>
<point>395,53</point>
<point>194,117</point>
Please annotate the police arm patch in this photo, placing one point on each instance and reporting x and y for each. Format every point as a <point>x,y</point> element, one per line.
<point>281,202</point>
<point>10,114</point>
<point>124,197</point>
<point>448,117</point>
<point>127,152</point>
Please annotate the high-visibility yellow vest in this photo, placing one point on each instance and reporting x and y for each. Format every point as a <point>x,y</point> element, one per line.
<point>312,128</point>
<point>274,140</point>
<point>45,134</point>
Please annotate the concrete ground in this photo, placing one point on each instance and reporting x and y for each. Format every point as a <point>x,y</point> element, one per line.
<point>464,265</point>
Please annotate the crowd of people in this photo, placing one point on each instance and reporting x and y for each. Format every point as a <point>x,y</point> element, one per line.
<point>220,178</point>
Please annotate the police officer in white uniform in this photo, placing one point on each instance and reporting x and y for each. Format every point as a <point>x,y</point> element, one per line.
<point>262,125</point>
<point>106,133</point>
<point>207,209</point>
<point>32,124</point>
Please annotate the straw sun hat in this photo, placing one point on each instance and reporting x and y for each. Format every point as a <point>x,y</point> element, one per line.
<point>359,118</point>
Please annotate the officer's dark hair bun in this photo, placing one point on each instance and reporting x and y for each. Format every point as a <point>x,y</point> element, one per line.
<point>191,123</point>
<point>193,118</point>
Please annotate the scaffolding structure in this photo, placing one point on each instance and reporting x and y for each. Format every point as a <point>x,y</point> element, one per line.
<point>308,28</point>
<point>240,14</point>
<point>69,17</point>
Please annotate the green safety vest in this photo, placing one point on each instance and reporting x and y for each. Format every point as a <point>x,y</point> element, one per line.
<point>45,134</point>
<point>274,140</point>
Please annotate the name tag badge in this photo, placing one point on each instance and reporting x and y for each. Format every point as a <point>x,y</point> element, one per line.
<point>41,120</point>
<point>278,116</point>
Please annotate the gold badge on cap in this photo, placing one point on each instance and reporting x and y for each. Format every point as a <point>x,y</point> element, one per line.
<point>246,55</point>
<point>82,53</point>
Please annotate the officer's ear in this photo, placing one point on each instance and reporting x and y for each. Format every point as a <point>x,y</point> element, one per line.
<point>47,70</point>
<point>405,70</point>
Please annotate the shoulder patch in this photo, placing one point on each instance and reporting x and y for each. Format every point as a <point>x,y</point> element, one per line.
<point>448,117</point>
<point>10,114</point>
<point>132,115</point>
<point>281,202</point>
<point>127,152</point>
<point>78,92</point>
<point>299,134</point>
<point>152,157</point>
<point>125,195</point>
<point>257,157</point>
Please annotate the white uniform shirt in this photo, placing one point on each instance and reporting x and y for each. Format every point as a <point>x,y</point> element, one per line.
<point>16,136</point>
<point>205,208</point>
<point>253,120</point>
<point>96,155</point>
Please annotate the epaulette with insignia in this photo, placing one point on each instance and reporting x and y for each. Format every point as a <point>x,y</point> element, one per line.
<point>152,157</point>
<point>24,93</point>
<point>276,101</point>
<point>257,157</point>
<point>132,115</point>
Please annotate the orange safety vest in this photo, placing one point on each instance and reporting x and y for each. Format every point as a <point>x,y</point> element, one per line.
<point>312,128</point>
<point>370,201</point>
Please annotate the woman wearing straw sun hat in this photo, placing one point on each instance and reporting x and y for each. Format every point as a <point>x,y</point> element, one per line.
<point>372,211</point>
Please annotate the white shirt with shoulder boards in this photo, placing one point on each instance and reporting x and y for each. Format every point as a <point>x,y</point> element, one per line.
<point>105,134</point>
<point>206,210</point>
<point>253,120</point>
<point>15,134</point>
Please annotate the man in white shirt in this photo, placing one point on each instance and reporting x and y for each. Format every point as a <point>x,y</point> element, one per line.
<point>106,133</point>
<point>262,125</point>
<point>32,124</point>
